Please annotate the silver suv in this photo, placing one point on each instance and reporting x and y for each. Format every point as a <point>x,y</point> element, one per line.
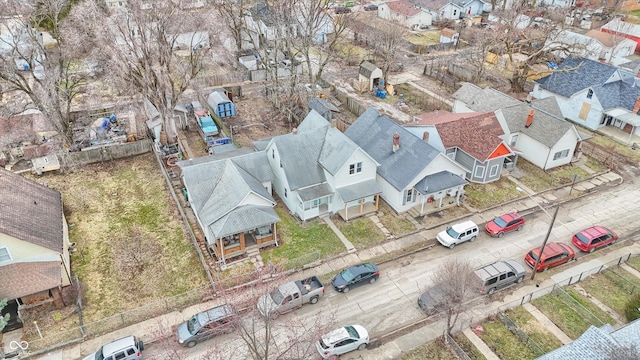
<point>127,348</point>
<point>499,275</point>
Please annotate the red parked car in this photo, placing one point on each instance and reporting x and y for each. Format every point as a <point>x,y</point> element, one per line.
<point>554,254</point>
<point>504,224</point>
<point>594,238</point>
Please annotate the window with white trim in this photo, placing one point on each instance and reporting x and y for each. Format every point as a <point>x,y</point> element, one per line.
<point>4,254</point>
<point>479,171</point>
<point>561,154</point>
<point>355,168</point>
<point>494,170</point>
<point>514,140</point>
<point>409,196</point>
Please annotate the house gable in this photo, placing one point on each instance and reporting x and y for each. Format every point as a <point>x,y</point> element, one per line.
<point>583,74</point>
<point>501,150</point>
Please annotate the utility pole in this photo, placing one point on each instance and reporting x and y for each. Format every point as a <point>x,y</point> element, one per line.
<point>535,267</point>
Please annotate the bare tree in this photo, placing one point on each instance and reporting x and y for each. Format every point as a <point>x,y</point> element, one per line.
<point>151,49</point>
<point>44,73</point>
<point>386,38</point>
<point>232,13</point>
<point>458,284</point>
<point>482,41</point>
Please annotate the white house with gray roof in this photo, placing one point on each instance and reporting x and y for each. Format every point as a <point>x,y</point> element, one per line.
<point>472,98</point>
<point>411,171</point>
<point>318,170</point>
<point>231,199</point>
<point>538,132</point>
<point>594,95</point>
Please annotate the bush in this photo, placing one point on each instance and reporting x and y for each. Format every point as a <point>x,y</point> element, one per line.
<point>632,309</point>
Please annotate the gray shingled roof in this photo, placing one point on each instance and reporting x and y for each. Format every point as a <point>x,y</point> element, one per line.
<point>30,211</point>
<point>546,128</point>
<point>367,68</point>
<point>439,181</point>
<point>315,192</point>
<point>299,154</point>
<point>589,73</point>
<point>359,190</point>
<point>216,191</point>
<point>313,120</point>
<point>598,343</point>
<point>617,94</point>
<point>483,100</point>
<point>322,106</point>
<point>237,220</point>
<point>336,150</point>
<point>374,134</point>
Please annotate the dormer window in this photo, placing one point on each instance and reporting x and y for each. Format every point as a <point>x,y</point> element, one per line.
<point>355,168</point>
<point>589,94</point>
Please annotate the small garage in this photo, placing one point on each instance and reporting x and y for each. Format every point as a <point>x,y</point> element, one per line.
<point>369,74</point>
<point>221,105</point>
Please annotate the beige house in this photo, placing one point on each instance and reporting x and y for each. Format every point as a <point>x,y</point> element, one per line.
<point>34,242</point>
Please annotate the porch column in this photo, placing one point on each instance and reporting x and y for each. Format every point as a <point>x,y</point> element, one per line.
<point>346,212</point>
<point>275,235</point>
<point>422,196</point>
<point>377,199</point>
<point>221,249</point>
<point>242,245</point>
<point>440,201</point>
<point>361,206</point>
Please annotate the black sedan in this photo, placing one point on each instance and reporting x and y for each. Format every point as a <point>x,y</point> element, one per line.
<point>357,275</point>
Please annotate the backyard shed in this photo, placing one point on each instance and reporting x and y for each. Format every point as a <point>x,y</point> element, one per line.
<point>221,105</point>
<point>369,74</point>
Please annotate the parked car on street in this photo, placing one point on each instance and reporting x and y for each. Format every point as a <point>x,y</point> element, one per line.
<point>127,348</point>
<point>354,276</point>
<point>431,301</point>
<point>291,296</point>
<point>594,238</point>
<point>370,7</point>
<point>499,275</point>
<point>554,254</point>
<point>504,224</point>
<point>458,233</point>
<point>207,324</point>
<point>341,10</point>
<point>341,341</point>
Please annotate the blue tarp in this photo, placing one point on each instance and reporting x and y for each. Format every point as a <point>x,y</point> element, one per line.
<point>208,125</point>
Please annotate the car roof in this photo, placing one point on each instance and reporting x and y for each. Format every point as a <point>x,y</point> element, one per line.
<point>341,333</point>
<point>362,268</point>
<point>551,249</point>
<point>214,314</point>
<point>595,231</point>
<point>497,268</point>
<point>117,345</point>
<point>463,226</point>
<point>511,216</point>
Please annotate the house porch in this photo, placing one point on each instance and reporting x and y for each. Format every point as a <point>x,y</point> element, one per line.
<point>432,207</point>
<point>356,211</point>
<point>619,135</point>
<point>242,243</point>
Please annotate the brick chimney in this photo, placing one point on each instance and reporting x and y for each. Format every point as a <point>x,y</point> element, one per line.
<point>636,107</point>
<point>529,118</point>
<point>396,142</point>
<point>425,136</point>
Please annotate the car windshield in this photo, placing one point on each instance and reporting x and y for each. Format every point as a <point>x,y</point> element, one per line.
<point>347,275</point>
<point>99,355</point>
<point>324,346</point>
<point>533,255</point>
<point>452,233</point>
<point>500,222</point>
<point>352,332</point>
<point>193,325</point>
<point>582,238</point>
<point>277,296</point>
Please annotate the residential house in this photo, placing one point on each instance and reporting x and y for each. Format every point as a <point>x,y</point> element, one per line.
<point>539,134</point>
<point>594,45</point>
<point>318,170</point>
<point>443,10</point>
<point>230,195</point>
<point>605,342</point>
<point>623,29</point>
<point>261,25</point>
<point>190,41</point>
<point>593,94</point>
<point>547,140</point>
<point>473,140</point>
<point>34,243</point>
<point>405,13</point>
<point>412,172</point>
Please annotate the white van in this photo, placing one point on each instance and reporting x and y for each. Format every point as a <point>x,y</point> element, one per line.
<point>458,233</point>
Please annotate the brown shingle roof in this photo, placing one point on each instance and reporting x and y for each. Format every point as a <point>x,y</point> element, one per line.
<point>403,7</point>
<point>26,278</point>
<point>478,134</point>
<point>30,212</point>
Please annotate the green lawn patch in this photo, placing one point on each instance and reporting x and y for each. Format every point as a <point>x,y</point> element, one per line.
<point>362,232</point>
<point>435,349</point>
<point>300,240</point>
<point>563,315</point>
<point>596,165</point>
<point>424,38</point>
<point>537,180</point>
<point>602,315</point>
<point>397,225</point>
<point>618,148</point>
<point>482,196</point>
<point>634,262</point>
<point>467,346</point>
<point>613,287</point>
<point>503,342</point>
<point>416,99</point>
<point>534,329</point>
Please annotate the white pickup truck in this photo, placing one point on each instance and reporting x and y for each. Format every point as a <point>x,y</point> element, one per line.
<point>291,296</point>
